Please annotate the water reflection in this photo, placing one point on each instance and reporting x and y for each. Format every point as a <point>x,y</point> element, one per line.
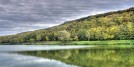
<point>100,57</point>
<point>11,48</point>
<point>66,56</point>
<point>16,60</point>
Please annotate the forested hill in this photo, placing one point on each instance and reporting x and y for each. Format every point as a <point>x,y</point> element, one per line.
<point>117,25</point>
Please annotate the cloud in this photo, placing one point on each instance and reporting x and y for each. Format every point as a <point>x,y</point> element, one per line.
<point>26,15</point>
<point>44,25</point>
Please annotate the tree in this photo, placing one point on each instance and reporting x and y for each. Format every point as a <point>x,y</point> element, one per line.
<point>87,34</point>
<point>38,38</point>
<point>75,38</point>
<point>32,40</point>
<point>81,34</point>
<point>63,35</point>
<point>46,38</point>
<point>130,30</point>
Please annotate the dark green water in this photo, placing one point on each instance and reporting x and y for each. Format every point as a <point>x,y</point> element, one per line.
<point>90,57</point>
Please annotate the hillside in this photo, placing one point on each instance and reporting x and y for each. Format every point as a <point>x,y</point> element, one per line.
<point>117,25</point>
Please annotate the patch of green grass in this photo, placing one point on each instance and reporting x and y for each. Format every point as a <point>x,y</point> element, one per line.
<point>108,42</point>
<point>44,43</point>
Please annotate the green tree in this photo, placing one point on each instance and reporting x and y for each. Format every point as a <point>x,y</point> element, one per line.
<point>63,35</point>
<point>75,38</point>
<point>38,38</point>
<point>32,40</point>
<point>81,34</point>
<point>47,38</point>
<point>87,34</point>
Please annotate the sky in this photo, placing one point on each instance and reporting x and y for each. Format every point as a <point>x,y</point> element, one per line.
<point>27,15</point>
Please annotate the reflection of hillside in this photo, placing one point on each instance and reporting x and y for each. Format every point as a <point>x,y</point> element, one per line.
<point>91,57</point>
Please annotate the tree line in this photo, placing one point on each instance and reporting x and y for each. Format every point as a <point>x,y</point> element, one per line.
<point>109,26</point>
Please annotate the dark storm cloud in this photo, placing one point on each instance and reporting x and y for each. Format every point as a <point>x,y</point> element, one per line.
<point>25,15</point>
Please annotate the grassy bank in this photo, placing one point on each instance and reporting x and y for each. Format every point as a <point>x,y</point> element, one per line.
<point>108,42</point>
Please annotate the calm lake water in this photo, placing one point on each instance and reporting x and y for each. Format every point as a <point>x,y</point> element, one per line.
<point>66,56</point>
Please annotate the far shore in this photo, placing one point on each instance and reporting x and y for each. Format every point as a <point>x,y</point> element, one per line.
<point>107,42</point>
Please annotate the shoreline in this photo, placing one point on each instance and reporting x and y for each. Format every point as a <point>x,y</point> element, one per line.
<point>107,42</point>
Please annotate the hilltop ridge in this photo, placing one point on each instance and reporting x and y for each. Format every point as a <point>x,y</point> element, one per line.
<point>117,25</point>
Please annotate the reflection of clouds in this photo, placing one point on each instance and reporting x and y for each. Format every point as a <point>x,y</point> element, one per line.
<point>10,48</point>
<point>23,13</point>
<point>15,60</point>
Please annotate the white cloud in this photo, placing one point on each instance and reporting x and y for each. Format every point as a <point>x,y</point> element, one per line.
<point>44,25</point>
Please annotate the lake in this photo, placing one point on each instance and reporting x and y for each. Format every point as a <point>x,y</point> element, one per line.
<point>66,56</point>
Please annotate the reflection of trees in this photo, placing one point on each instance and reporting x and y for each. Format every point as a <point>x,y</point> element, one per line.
<point>91,58</point>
